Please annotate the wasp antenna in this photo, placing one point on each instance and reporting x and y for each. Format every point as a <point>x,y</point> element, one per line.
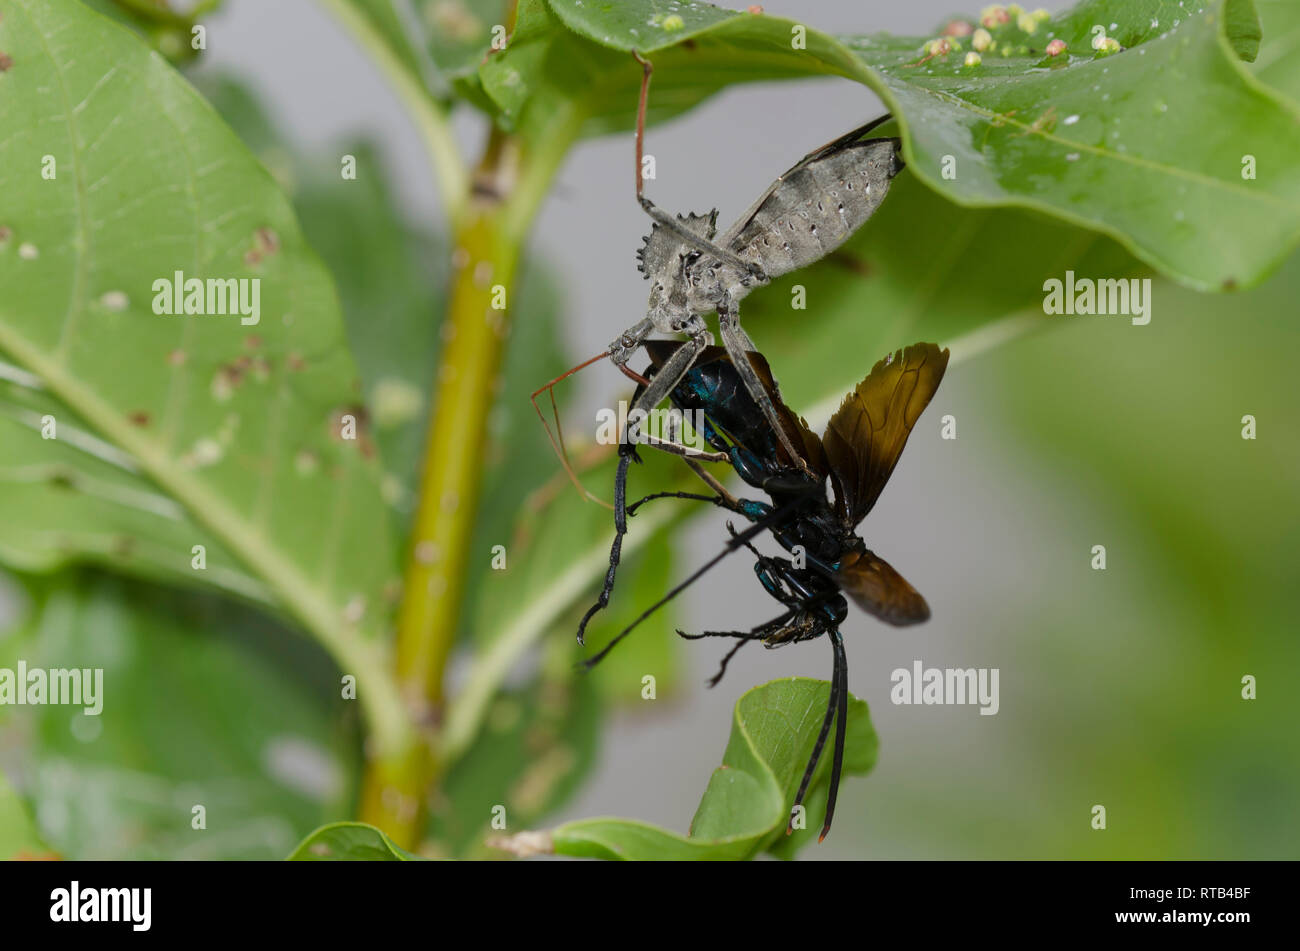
<point>557,445</point>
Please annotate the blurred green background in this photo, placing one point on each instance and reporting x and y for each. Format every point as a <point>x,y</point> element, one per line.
<point>1119,687</point>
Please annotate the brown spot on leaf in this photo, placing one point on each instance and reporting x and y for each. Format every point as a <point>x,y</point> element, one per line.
<point>296,362</point>
<point>139,418</point>
<point>267,241</point>
<point>253,341</point>
<point>362,438</point>
<point>176,358</point>
<point>230,376</point>
<point>6,62</point>
<point>1230,284</point>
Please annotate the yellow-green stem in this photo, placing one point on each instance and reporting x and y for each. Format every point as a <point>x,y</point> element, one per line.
<point>483,261</point>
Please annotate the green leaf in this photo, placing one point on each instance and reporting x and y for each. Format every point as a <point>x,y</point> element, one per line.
<point>350,842</point>
<point>924,270</point>
<point>238,424</point>
<point>746,805</point>
<point>440,45</point>
<point>1277,63</point>
<point>75,499</point>
<point>391,277</point>
<point>202,703</point>
<point>166,29</point>
<point>1241,28</point>
<point>538,744</point>
<point>1144,145</point>
<point>18,836</point>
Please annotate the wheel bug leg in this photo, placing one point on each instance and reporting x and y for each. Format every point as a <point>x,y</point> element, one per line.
<point>738,347</point>
<point>657,391</point>
<point>647,68</point>
<point>650,208</point>
<point>707,478</point>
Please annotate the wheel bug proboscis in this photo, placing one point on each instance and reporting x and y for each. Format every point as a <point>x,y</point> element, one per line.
<point>806,214</point>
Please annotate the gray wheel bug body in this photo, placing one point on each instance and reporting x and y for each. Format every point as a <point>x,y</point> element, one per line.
<point>804,215</point>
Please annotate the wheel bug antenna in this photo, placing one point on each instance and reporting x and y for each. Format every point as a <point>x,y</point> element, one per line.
<point>735,544</point>
<point>558,446</point>
<point>841,675</point>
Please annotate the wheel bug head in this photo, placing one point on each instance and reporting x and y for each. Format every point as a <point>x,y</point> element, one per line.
<point>664,260</point>
<point>663,251</point>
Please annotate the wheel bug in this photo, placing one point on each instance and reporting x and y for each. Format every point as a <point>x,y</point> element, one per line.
<point>856,454</point>
<point>807,213</point>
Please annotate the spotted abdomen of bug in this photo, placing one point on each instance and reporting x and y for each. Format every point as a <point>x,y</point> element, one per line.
<point>814,208</point>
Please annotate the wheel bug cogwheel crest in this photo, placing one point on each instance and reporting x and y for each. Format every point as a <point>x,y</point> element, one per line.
<point>661,248</point>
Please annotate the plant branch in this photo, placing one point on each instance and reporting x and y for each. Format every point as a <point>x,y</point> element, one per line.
<point>429,117</point>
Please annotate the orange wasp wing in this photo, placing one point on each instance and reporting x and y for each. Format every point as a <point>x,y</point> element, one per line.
<point>867,434</point>
<point>878,589</point>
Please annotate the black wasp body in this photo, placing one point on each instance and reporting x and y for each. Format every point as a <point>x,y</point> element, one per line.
<point>828,559</point>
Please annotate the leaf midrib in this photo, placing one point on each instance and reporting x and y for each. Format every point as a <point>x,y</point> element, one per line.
<point>355,653</point>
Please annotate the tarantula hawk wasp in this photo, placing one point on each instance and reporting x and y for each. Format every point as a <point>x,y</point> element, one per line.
<point>807,213</point>
<point>856,455</point>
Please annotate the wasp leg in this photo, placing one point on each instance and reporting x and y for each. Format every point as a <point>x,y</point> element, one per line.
<point>841,674</point>
<point>832,705</point>
<point>732,545</point>
<point>626,453</point>
<point>762,632</point>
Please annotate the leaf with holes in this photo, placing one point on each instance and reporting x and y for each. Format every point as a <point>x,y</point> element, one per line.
<point>200,703</point>
<point>127,198</point>
<point>1146,144</point>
